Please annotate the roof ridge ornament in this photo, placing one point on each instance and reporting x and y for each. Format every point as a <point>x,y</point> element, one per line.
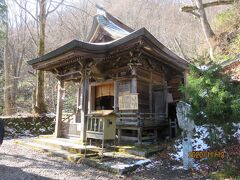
<point>100,9</point>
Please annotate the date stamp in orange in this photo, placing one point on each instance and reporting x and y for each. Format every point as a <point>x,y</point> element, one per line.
<point>206,154</point>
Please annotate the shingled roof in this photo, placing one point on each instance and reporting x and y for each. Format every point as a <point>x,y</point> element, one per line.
<point>104,24</point>
<point>108,33</point>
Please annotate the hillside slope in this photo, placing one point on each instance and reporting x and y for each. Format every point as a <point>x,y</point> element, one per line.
<point>228,33</point>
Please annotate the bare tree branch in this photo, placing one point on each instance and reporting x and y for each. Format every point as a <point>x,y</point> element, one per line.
<point>179,45</point>
<point>50,4</point>
<point>26,10</point>
<point>195,14</point>
<point>55,8</point>
<point>71,6</point>
<point>191,9</point>
<point>31,34</point>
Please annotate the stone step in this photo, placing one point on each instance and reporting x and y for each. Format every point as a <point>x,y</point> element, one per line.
<point>54,151</point>
<point>66,144</point>
<point>71,139</point>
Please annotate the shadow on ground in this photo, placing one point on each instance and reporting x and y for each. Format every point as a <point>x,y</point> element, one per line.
<point>7,172</point>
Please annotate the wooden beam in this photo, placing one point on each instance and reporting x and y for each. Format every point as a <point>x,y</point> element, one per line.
<point>69,74</point>
<point>109,81</point>
<point>66,58</point>
<point>84,104</point>
<point>118,70</point>
<point>72,78</point>
<point>45,64</point>
<point>59,109</point>
<point>71,62</point>
<point>124,78</point>
<point>163,57</point>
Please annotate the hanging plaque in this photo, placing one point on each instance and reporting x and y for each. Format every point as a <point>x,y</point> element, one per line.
<point>128,102</point>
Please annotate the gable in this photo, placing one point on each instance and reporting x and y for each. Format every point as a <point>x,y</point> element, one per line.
<point>107,28</point>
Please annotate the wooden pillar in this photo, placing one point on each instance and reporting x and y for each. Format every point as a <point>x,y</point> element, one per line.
<point>150,95</point>
<point>134,90</point>
<point>78,108</point>
<point>79,97</point>
<point>166,100</point>
<point>134,80</point>
<point>140,135</point>
<point>84,105</point>
<point>119,136</point>
<point>59,109</point>
<point>115,96</point>
<point>90,98</point>
<point>155,135</point>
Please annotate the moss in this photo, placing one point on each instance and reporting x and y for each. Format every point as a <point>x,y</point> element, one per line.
<point>226,173</point>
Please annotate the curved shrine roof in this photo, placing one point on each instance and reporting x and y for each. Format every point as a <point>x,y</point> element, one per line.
<point>117,34</point>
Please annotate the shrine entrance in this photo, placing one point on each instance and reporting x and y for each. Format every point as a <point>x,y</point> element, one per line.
<point>104,97</point>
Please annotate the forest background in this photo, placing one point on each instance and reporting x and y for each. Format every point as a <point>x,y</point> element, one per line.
<point>23,24</point>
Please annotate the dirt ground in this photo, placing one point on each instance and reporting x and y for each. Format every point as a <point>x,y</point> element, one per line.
<point>18,162</point>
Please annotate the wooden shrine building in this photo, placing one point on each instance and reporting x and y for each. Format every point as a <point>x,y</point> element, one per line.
<point>118,69</point>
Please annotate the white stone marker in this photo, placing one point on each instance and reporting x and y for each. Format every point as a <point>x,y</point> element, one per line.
<point>187,125</point>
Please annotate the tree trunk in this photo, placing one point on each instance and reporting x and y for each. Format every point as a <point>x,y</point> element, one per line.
<point>40,104</point>
<point>34,99</point>
<point>8,103</point>
<point>208,32</point>
<point>198,11</point>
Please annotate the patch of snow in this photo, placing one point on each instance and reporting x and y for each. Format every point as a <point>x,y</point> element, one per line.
<point>121,165</point>
<point>237,133</point>
<point>27,132</point>
<point>199,137</point>
<point>51,115</point>
<point>153,164</point>
<point>177,167</point>
<point>143,161</point>
<point>198,141</point>
<point>42,130</point>
<point>9,130</point>
<point>203,68</point>
<point>201,132</point>
<point>196,165</point>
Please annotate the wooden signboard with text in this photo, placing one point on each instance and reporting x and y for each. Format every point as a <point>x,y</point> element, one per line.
<point>128,101</point>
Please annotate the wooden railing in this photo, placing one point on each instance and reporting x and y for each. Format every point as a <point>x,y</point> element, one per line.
<point>69,127</point>
<point>68,117</point>
<point>141,119</point>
